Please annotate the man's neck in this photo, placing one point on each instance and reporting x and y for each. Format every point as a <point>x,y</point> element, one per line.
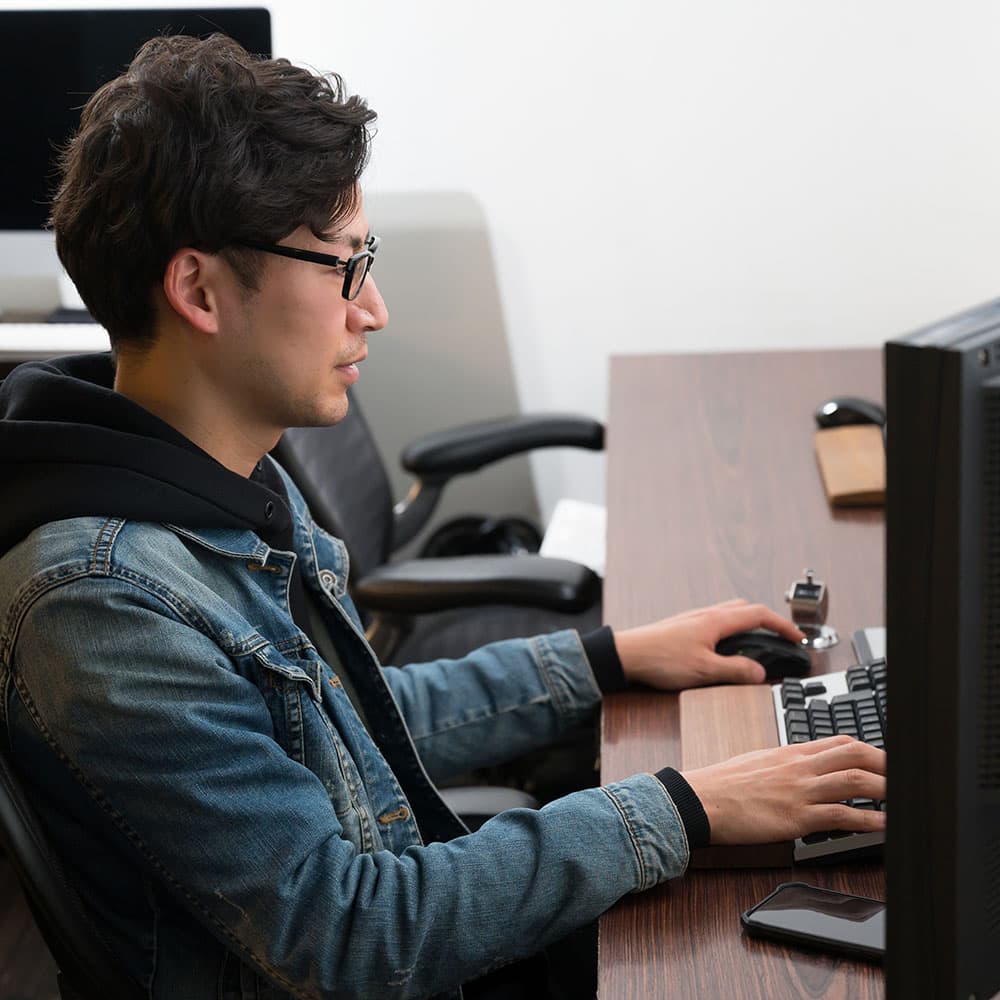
<point>181,396</point>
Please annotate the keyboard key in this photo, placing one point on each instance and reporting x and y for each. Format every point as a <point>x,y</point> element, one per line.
<point>792,695</point>
<point>858,679</point>
<point>814,688</point>
<point>816,838</point>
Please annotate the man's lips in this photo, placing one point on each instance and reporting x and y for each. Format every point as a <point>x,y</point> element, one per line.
<point>350,368</point>
<point>354,362</point>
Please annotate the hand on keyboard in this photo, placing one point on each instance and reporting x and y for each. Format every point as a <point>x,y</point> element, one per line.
<point>779,794</point>
<point>679,652</point>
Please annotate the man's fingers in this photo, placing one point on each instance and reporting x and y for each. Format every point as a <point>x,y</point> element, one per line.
<point>837,816</point>
<point>736,670</point>
<point>841,753</point>
<point>854,783</point>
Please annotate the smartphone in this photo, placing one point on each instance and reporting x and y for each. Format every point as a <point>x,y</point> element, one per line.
<point>796,913</point>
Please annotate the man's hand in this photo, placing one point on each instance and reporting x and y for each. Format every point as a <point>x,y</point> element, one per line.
<point>679,652</point>
<point>773,795</point>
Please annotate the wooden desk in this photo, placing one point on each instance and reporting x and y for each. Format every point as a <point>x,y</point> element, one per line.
<point>713,492</point>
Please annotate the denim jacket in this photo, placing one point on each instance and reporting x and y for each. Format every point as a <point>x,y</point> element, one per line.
<point>236,829</point>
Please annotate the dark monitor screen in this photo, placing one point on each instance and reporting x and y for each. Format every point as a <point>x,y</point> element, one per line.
<point>53,60</point>
<point>943,643</point>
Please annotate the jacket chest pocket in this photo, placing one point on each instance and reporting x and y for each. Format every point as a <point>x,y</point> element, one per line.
<point>291,691</point>
<point>304,730</point>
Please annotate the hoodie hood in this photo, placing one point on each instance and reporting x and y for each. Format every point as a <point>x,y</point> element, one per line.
<point>70,446</point>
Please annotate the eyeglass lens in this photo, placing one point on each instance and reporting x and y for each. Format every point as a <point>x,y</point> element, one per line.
<point>358,271</point>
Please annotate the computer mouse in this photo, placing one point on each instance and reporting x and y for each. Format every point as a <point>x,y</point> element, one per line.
<point>780,657</point>
<point>844,410</point>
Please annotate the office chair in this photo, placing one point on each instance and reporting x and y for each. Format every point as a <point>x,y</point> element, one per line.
<point>88,969</point>
<point>423,609</point>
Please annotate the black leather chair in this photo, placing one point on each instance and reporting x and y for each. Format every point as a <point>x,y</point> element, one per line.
<point>422,609</point>
<point>88,969</point>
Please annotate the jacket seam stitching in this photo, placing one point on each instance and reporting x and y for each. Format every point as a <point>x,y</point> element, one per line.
<point>542,653</point>
<point>633,837</point>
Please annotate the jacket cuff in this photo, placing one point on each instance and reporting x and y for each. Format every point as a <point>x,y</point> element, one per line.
<point>654,826</point>
<point>604,660</point>
<point>692,812</point>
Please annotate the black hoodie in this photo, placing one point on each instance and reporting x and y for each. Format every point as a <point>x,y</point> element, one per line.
<point>70,446</point>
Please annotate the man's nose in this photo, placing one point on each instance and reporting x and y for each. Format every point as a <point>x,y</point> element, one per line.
<point>370,312</point>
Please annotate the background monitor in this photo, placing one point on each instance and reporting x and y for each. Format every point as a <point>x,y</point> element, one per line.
<point>943,635</point>
<point>53,61</point>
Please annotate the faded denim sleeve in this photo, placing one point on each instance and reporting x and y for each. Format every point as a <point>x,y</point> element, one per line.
<point>147,719</point>
<point>498,702</point>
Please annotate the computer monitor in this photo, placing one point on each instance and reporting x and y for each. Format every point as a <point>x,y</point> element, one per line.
<point>53,61</point>
<point>943,633</point>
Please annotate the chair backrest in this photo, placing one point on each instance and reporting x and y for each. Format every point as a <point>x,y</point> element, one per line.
<point>341,475</point>
<point>87,964</point>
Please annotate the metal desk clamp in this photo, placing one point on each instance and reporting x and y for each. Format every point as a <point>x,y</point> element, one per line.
<point>809,600</point>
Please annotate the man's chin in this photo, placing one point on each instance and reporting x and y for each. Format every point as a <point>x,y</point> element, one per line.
<point>323,416</point>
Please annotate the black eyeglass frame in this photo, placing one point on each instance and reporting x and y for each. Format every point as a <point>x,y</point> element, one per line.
<point>350,265</point>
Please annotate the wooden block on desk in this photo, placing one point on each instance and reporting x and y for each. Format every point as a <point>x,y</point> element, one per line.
<point>717,723</point>
<point>852,464</point>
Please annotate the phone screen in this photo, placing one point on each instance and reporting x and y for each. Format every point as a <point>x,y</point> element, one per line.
<point>822,917</point>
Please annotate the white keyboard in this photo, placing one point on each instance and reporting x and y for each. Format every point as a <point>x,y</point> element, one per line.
<point>33,341</point>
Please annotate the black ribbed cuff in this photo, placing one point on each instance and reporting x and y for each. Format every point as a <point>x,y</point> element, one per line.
<point>604,660</point>
<point>692,812</point>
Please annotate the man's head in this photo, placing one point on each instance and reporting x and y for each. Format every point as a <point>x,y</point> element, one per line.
<point>198,144</point>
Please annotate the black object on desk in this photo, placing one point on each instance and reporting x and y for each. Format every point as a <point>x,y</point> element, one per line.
<point>780,657</point>
<point>844,411</point>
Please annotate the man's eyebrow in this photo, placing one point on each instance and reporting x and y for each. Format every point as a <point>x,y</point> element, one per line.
<point>358,242</point>
<point>355,242</point>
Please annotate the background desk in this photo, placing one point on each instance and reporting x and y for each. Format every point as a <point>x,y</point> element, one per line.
<point>713,492</point>
<point>24,340</point>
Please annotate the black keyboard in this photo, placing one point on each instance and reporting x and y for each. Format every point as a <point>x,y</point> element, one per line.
<point>852,701</point>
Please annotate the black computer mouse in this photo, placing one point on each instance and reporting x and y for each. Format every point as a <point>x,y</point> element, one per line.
<point>778,656</point>
<point>844,410</point>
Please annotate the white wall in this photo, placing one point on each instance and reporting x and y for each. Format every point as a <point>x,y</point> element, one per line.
<point>689,175</point>
<point>706,175</point>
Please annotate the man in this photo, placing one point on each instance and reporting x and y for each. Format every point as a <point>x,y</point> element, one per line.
<point>243,816</point>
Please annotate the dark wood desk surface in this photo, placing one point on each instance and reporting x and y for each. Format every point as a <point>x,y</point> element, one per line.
<point>713,492</point>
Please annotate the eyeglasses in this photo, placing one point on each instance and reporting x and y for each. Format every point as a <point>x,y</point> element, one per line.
<point>354,269</point>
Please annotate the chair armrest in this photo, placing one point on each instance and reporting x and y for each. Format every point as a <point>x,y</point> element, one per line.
<point>418,586</point>
<point>469,447</point>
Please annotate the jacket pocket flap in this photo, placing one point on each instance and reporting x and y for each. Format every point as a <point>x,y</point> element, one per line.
<point>306,671</point>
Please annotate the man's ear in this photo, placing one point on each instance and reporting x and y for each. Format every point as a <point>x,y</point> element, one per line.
<point>189,285</point>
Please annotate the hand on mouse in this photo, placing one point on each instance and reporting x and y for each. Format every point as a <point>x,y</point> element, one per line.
<point>770,795</point>
<point>679,652</point>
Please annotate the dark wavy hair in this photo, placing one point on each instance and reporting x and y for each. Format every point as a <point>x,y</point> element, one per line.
<point>199,144</point>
